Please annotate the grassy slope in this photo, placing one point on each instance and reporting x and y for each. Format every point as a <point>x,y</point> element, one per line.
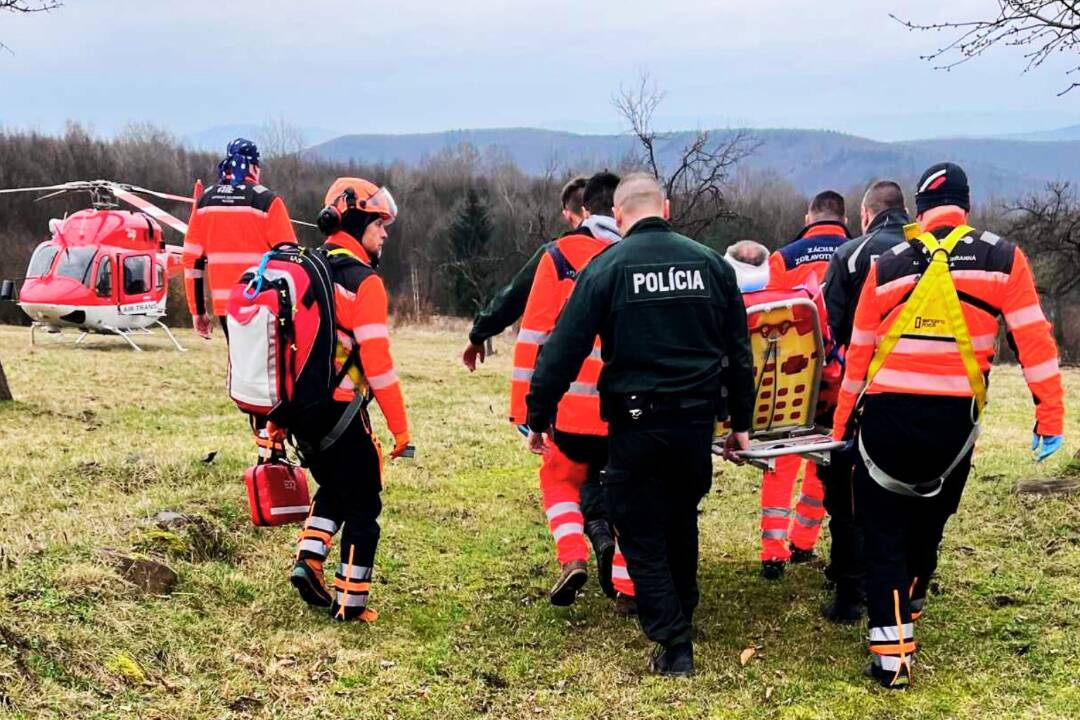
<point>101,439</point>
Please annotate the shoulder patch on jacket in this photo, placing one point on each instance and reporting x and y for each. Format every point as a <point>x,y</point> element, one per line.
<point>990,238</point>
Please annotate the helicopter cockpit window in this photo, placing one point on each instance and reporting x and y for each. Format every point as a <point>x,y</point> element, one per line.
<point>42,260</point>
<point>103,286</point>
<point>75,264</point>
<point>136,274</point>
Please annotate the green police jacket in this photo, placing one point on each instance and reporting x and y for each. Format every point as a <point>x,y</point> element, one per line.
<point>671,322</point>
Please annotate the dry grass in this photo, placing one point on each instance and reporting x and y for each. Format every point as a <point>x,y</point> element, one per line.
<point>101,439</point>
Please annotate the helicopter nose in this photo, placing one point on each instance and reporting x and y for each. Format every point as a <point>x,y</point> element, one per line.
<point>54,291</point>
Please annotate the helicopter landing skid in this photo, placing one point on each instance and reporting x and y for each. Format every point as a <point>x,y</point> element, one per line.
<point>123,334</point>
<point>172,337</point>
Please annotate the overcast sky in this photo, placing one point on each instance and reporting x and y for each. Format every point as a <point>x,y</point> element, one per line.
<point>429,65</point>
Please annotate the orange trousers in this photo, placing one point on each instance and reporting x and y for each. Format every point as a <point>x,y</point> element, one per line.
<point>779,530</point>
<point>560,487</point>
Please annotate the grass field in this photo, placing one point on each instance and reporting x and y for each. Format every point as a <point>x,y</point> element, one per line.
<point>101,439</point>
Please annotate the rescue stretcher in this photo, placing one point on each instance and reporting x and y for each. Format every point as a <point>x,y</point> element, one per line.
<point>788,351</point>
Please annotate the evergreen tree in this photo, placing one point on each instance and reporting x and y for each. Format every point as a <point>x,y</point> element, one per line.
<point>470,263</point>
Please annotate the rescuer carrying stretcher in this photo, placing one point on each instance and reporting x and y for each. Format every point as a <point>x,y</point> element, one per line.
<point>578,449</point>
<point>799,264</point>
<point>914,390</point>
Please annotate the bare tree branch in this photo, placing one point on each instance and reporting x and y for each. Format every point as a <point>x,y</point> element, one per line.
<point>26,7</point>
<point>698,179</point>
<point>1043,28</point>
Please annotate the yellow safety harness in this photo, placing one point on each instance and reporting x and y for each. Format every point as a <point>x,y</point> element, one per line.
<point>933,312</point>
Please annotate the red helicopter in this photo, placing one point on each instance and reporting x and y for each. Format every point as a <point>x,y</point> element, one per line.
<point>105,270</point>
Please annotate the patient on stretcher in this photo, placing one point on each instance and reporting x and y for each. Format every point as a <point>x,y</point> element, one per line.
<point>797,372</point>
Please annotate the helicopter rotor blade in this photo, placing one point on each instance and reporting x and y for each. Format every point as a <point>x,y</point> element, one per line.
<point>63,187</point>
<point>156,193</point>
<point>150,209</point>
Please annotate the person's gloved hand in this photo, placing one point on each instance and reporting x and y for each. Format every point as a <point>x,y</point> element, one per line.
<point>401,444</point>
<point>203,326</point>
<point>473,353</point>
<point>523,429</point>
<point>1050,445</point>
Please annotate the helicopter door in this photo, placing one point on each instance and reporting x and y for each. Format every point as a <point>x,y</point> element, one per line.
<point>137,284</point>
<point>103,280</point>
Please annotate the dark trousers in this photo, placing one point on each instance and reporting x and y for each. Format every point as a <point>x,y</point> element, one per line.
<point>659,468</point>
<point>591,450</point>
<point>914,439</point>
<point>846,566</point>
<point>349,475</point>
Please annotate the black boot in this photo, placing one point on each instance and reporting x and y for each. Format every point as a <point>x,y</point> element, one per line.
<point>798,555</point>
<point>625,605</point>
<point>603,544</point>
<point>848,606</point>
<point>574,574</point>
<point>772,569</point>
<point>889,679</point>
<point>674,661</point>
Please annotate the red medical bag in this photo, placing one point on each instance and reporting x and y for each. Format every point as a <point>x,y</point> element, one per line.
<point>277,493</point>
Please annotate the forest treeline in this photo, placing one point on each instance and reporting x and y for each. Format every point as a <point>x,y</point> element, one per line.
<point>468,219</point>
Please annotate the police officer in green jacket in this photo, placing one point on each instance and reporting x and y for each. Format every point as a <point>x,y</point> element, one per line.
<point>676,358</point>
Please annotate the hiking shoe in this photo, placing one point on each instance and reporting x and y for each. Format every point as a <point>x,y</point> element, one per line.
<point>573,577</point>
<point>625,605</point>
<point>798,555</point>
<point>340,613</point>
<point>674,661</point>
<point>891,680</point>
<point>307,578</point>
<point>772,569</point>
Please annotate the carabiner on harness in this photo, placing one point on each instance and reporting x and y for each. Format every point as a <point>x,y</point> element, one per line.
<point>254,287</point>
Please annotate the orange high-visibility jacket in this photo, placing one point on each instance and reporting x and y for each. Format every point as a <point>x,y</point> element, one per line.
<point>808,254</point>
<point>993,280</point>
<point>230,229</point>
<point>579,410</point>
<point>360,304</point>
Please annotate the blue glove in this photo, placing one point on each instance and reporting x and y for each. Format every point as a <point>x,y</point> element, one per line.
<point>523,429</point>
<point>1050,445</point>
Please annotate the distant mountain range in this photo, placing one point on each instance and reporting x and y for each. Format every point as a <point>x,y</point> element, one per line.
<point>810,159</point>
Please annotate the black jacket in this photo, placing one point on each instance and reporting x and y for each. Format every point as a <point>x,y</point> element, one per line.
<point>671,322</point>
<point>850,265</point>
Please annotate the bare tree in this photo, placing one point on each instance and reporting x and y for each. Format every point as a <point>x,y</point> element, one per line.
<point>697,179</point>
<point>1047,226</point>
<point>1043,28</point>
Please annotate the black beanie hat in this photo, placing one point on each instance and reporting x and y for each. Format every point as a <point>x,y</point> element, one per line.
<point>943,184</point>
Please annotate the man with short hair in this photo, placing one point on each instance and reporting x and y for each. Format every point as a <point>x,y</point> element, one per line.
<point>673,338</point>
<point>883,215</point>
<point>801,262</point>
<point>922,343</point>
<point>572,462</point>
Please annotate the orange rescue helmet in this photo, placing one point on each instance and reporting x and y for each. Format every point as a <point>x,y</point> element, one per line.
<point>356,193</point>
